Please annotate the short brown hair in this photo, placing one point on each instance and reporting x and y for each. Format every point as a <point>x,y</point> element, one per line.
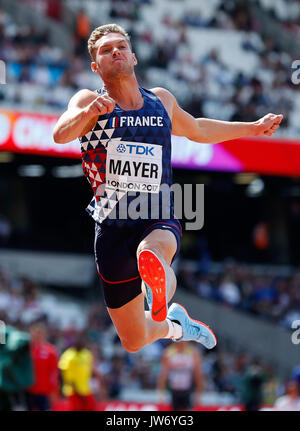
<point>102,31</point>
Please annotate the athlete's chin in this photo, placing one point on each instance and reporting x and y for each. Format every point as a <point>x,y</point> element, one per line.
<point>120,72</point>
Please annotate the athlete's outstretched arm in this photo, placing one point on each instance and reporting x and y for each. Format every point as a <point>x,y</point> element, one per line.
<point>79,118</point>
<point>206,130</point>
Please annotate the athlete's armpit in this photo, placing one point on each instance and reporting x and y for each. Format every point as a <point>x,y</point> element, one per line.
<point>91,124</point>
<point>166,98</point>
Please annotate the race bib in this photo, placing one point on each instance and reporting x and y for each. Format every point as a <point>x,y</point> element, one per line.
<point>134,166</point>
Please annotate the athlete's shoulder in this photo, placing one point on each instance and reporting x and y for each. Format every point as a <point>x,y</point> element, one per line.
<point>162,93</point>
<point>166,98</point>
<point>82,98</point>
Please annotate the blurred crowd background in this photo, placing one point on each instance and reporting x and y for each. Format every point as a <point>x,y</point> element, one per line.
<point>27,310</point>
<point>220,61</point>
<point>238,84</point>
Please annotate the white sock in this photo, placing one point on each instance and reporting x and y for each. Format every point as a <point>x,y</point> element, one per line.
<point>175,330</point>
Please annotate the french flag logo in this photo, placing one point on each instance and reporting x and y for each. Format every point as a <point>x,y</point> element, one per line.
<point>113,122</point>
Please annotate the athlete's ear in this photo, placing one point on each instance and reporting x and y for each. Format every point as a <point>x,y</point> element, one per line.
<point>135,62</point>
<point>94,66</point>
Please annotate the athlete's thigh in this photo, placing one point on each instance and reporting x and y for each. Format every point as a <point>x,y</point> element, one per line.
<point>129,320</point>
<point>116,265</point>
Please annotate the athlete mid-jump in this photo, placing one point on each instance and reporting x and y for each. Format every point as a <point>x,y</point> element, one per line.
<point>125,135</point>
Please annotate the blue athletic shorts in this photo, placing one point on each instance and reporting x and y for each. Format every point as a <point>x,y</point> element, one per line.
<point>115,255</point>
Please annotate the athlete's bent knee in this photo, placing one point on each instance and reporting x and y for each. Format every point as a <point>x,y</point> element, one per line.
<point>133,346</point>
<point>134,343</point>
<point>158,247</point>
<point>165,246</point>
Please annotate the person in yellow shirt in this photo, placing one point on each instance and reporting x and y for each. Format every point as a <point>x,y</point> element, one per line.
<point>77,367</point>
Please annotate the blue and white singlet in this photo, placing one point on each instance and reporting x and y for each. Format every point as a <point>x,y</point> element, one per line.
<point>129,151</point>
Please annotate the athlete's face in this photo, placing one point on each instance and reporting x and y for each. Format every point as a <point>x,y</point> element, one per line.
<point>113,57</point>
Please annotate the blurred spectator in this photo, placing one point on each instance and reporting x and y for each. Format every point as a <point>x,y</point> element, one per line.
<point>296,376</point>
<point>271,386</point>
<point>98,383</point>
<point>181,371</point>
<point>32,309</point>
<point>54,9</point>
<point>113,376</point>
<point>45,365</point>
<point>291,400</point>
<point>229,291</point>
<point>83,30</point>
<point>252,395</point>
<point>193,17</point>
<point>77,366</point>
<point>204,286</point>
<point>16,370</point>
<point>124,9</point>
<point>261,236</point>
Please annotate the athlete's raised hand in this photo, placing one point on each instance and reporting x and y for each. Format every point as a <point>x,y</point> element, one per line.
<point>268,124</point>
<point>100,106</point>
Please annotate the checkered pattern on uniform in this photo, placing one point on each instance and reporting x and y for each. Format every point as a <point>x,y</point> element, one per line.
<point>94,150</point>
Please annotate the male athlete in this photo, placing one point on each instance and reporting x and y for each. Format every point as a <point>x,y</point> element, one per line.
<point>125,135</point>
<point>181,372</point>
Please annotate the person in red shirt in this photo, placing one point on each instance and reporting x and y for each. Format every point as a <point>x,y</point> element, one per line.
<point>46,375</point>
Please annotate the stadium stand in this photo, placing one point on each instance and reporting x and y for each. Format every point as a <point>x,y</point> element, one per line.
<point>270,294</point>
<point>218,66</point>
<point>287,12</point>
